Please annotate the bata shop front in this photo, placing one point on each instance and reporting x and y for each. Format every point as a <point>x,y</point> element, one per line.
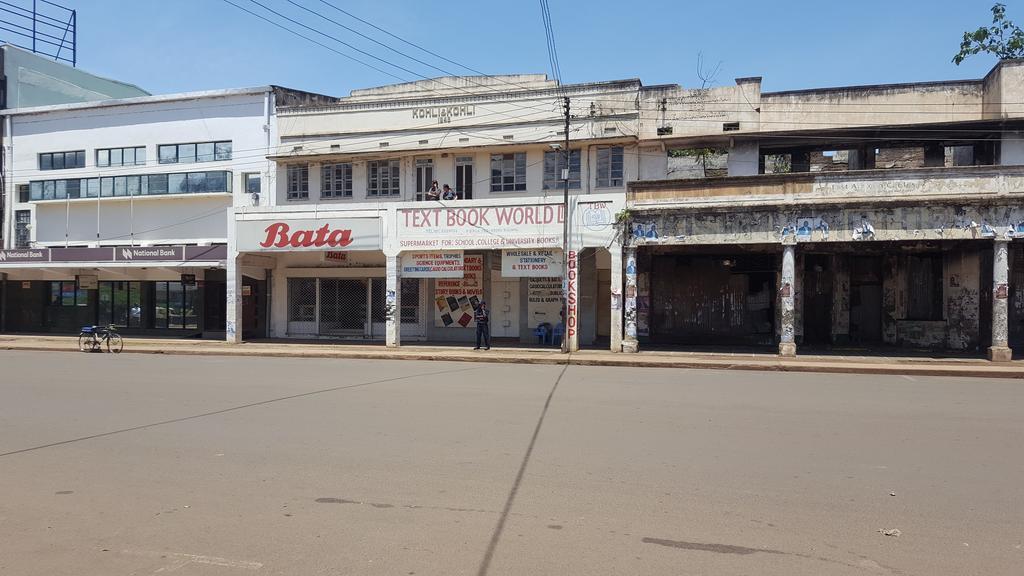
<point>415,272</point>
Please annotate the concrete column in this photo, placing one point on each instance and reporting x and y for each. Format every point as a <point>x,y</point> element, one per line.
<point>787,305</point>
<point>1000,349</point>
<point>616,298</point>
<point>629,343</point>
<point>392,304</point>
<point>233,325</point>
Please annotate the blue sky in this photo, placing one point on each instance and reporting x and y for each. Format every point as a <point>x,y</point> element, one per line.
<point>181,45</point>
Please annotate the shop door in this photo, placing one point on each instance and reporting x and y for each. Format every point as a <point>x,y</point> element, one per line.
<point>505,308</point>
<point>343,306</point>
<point>817,311</point>
<point>866,299</point>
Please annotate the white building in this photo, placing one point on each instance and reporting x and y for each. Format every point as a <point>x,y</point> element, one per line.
<point>405,267</point>
<point>118,208</point>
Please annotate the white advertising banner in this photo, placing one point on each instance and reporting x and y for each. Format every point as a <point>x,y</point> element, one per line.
<point>432,265</point>
<point>308,234</point>
<point>544,301</point>
<point>452,227</point>
<point>531,262</point>
<point>455,299</point>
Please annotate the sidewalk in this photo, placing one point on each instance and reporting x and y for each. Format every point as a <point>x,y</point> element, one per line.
<point>909,366</point>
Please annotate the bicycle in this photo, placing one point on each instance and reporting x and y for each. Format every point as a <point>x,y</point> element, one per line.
<point>92,339</point>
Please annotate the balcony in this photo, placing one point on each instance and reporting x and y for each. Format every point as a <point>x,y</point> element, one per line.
<point>962,183</point>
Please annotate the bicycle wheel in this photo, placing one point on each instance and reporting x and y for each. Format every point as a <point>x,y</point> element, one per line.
<point>115,343</point>
<point>85,342</point>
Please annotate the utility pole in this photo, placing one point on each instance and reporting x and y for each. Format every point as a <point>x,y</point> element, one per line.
<point>565,232</point>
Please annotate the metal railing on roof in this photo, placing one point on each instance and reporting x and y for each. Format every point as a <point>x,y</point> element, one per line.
<point>41,26</point>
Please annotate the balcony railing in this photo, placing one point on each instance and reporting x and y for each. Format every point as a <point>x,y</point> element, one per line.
<point>829,187</point>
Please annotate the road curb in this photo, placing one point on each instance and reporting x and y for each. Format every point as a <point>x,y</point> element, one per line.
<point>774,365</point>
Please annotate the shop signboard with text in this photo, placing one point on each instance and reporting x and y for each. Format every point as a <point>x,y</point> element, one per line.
<point>481,227</point>
<point>531,262</point>
<point>434,264</point>
<point>308,234</point>
<point>455,299</point>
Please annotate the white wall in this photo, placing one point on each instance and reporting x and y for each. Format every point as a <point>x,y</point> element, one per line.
<point>235,117</point>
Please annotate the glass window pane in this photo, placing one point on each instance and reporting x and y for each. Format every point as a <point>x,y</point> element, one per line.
<point>134,186</point>
<point>175,305</point>
<point>158,184</point>
<point>120,186</point>
<point>80,159</point>
<point>135,304</point>
<point>204,152</point>
<point>197,182</point>
<point>58,161</point>
<point>223,151</point>
<point>106,303</point>
<point>160,313</point>
<point>103,158</point>
<point>93,190</point>
<point>62,190</point>
<point>252,183</point>
<point>177,184</point>
<point>74,188</point>
<point>45,162</point>
<point>36,190</point>
<point>216,182</point>
<point>128,156</point>
<point>168,154</point>
<point>190,315</point>
<point>140,156</point>
<point>67,293</point>
<point>49,188</point>
<point>117,157</point>
<point>186,153</point>
<point>106,186</point>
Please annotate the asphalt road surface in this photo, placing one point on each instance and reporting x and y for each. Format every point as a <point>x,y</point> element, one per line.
<point>140,464</point>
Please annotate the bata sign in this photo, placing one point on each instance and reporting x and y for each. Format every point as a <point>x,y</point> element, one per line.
<point>482,227</point>
<point>319,234</point>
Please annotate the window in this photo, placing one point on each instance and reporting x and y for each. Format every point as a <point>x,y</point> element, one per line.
<point>174,306</point>
<point>554,163</point>
<point>508,172</point>
<point>134,156</point>
<point>383,178</point>
<point>120,304</point>
<point>298,181</point>
<point>336,181</point>
<point>302,299</point>
<point>23,192</point>
<point>62,160</point>
<point>464,177</point>
<point>924,287</point>
<point>66,293</point>
<point>609,167</point>
<point>252,183</point>
<point>194,152</point>
<point>22,234</point>
<point>424,177</point>
<point>152,184</point>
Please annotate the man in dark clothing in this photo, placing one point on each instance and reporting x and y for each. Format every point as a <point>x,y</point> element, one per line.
<point>483,325</point>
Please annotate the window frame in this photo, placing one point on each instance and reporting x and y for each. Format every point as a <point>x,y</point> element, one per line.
<point>109,152</point>
<point>374,189</point>
<point>329,180</point>
<point>49,160</point>
<point>608,179</point>
<point>499,178</point>
<point>575,167</point>
<point>297,181</point>
<point>120,186</point>
<point>194,157</point>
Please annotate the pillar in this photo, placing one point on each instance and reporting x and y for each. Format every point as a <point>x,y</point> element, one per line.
<point>392,304</point>
<point>630,343</point>
<point>233,324</point>
<point>1000,349</point>
<point>615,331</point>
<point>787,305</point>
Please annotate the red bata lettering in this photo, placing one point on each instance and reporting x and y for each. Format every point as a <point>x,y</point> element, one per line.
<point>278,236</point>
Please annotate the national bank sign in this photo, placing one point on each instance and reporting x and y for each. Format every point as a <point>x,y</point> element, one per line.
<point>28,255</point>
<point>135,253</point>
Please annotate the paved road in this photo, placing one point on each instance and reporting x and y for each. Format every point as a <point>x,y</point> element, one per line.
<point>141,464</point>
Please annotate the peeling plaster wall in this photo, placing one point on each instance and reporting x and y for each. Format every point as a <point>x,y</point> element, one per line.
<point>841,299</point>
<point>962,285</point>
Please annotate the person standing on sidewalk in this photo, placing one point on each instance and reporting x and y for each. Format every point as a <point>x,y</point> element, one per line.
<point>483,325</point>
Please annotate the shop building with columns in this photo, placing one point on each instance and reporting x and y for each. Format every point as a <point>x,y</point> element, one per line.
<point>873,217</point>
<point>117,209</point>
<point>353,245</point>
